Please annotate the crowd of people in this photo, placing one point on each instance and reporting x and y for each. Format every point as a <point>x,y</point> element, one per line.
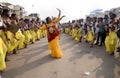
<point>96,31</point>
<point>17,34</point>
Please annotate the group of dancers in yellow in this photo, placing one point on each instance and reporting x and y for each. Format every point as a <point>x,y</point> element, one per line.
<point>13,39</point>
<point>110,42</point>
<point>77,34</point>
<point>10,42</point>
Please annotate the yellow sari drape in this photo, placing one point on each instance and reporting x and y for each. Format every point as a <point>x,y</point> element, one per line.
<point>28,36</point>
<point>3,50</point>
<point>90,37</point>
<point>4,38</point>
<point>13,42</point>
<point>78,35</point>
<point>21,38</point>
<point>110,42</point>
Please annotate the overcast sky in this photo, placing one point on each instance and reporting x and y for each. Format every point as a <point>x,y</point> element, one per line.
<point>72,9</point>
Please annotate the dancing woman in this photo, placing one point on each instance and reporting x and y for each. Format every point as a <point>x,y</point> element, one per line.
<point>53,35</point>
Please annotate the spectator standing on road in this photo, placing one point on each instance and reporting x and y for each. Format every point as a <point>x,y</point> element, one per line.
<point>101,33</point>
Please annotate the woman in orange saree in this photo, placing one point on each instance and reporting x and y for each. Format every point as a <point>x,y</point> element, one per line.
<point>53,35</point>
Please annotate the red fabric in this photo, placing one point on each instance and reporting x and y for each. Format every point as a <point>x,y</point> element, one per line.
<point>52,36</point>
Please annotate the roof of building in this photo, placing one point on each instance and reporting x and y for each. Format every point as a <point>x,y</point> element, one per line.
<point>6,3</point>
<point>34,14</point>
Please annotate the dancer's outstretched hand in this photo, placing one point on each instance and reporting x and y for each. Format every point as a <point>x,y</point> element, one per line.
<point>59,10</point>
<point>63,16</point>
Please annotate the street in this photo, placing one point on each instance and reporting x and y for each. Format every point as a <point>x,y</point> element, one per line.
<point>79,59</point>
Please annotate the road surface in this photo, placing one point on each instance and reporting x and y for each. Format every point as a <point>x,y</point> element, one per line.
<point>36,62</point>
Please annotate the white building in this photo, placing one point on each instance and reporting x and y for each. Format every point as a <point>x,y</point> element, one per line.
<point>101,14</point>
<point>19,10</point>
<point>97,14</point>
<point>33,15</point>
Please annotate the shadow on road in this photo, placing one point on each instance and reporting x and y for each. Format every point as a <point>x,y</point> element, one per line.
<point>68,41</point>
<point>107,68</point>
<point>29,53</point>
<point>33,51</point>
<point>14,72</point>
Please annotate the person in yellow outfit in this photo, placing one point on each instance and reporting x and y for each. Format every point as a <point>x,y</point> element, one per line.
<point>37,31</point>
<point>3,48</point>
<point>42,31</point>
<point>3,37</point>
<point>21,34</point>
<point>6,41</point>
<point>79,34</point>
<point>32,33</point>
<point>26,33</point>
<point>17,32</point>
<point>34,28</point>
<point>2,28</point>
<point>73,29</point>
<point>80,31</point>
<point>107,41</point>
<point>7,23</point>
<point>90,36</point>
<point>13,41</point>
<point>111,40</point>
<point>10,31</point>
<point>12,28</point>
<point>21,38</point>
<point>53,35</point>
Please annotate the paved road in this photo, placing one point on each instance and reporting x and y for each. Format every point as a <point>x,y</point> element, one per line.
<point>36,62</point>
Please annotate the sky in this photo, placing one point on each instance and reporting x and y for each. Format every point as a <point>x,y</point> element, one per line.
<point>72,9</point>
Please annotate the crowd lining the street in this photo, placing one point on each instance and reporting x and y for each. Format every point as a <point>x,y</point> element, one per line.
<point>96,31</point>
<point>16,34</point>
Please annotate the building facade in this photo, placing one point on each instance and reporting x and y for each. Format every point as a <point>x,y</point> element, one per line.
<point>19,10</point>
